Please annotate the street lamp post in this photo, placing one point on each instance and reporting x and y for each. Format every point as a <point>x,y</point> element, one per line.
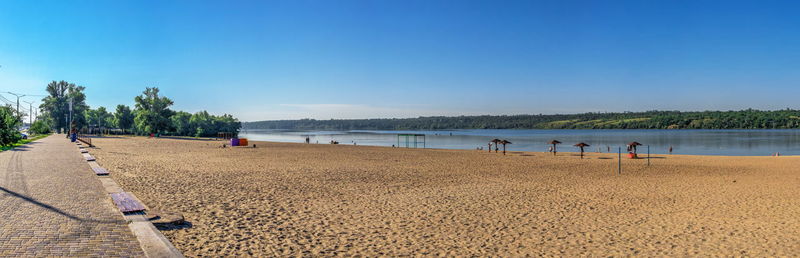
<point>30,113</point>
<point>18,96</point>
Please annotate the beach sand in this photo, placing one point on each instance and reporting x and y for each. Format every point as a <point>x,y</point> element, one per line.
<point>309,199</point>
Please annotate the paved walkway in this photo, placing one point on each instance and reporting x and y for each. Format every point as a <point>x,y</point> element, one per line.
<point>52,204</point>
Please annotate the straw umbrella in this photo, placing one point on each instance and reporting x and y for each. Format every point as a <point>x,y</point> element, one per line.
<point>581,145</point>
<point>633,145</point>
<point>496,143</point>
<point>554,142</point>
<point>504,142</point>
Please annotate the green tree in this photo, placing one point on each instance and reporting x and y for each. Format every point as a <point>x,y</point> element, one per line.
<point>56,105</point>
<point>152,112</point>
<point>202,122</point>
<point>123,117</point>
<point>99,118</point>
<point>9,123</point>
<point>181,123</point>
<point>41,126</point>
<point>227,123</point>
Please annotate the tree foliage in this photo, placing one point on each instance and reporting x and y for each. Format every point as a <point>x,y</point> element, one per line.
<point>123,117</point>
<point>99,118</point>
<point>182,124</point>
<point>744,119</point>
<point>152,114</point>
<point>205,124</point>
<point>9,123</point>
<point>56,104</point>
<point>42,125</point>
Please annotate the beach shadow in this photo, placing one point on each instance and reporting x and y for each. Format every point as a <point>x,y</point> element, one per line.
<point>604,158</point>
<point>171,226</point>
<point>54,209</point>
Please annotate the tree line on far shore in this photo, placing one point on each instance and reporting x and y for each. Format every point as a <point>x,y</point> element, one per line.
<point>151,115</point>
<point>743,119</point>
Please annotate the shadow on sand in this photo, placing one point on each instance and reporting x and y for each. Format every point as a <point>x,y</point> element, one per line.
<point>171,226</point>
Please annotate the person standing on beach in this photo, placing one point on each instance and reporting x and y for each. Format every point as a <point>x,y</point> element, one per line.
<point>490,147</point>
<point>670,149</point>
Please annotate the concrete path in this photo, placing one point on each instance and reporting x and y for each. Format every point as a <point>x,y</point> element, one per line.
<point>52,204</point>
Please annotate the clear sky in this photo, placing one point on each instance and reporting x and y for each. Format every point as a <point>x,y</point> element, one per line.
<point>262,60</point>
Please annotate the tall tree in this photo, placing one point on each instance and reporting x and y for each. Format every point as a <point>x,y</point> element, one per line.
<point>56,105</point>
<point>152,112</point>
<point>123,117</point>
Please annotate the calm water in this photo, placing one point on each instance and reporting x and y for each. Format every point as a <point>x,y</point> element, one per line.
<point>693,142</point>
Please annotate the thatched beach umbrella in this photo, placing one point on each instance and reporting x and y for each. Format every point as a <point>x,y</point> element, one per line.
<point>504,142</point>
<point>632,145</point>
<point>554,142</point>
<point>496,143</point>
<point>581,145</point>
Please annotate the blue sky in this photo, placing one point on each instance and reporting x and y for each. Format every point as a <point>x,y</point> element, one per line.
<point>265,60</point>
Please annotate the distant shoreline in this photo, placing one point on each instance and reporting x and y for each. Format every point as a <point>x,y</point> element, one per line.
<point>743,119</point>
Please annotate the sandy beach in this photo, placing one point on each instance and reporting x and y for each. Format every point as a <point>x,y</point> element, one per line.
<point>310,199</point>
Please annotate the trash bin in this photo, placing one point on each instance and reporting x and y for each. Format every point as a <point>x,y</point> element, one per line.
<point>242,141</point>
<point>234,142</point>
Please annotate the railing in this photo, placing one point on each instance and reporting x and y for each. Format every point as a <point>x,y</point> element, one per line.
<point>85,139</point>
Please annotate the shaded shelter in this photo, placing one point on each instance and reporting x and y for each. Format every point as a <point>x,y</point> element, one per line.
<point>581,145</point>
<point>554,142</point>
<point>496,142</point>
<point>504,142</point>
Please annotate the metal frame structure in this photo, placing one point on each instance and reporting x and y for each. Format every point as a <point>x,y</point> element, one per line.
<point>411,144</point>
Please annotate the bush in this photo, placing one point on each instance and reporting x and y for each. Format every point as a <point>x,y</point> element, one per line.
<point>40,127</point>
<point>8,126</point>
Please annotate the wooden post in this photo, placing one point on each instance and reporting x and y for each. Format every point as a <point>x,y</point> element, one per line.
<point>648,155</point>
<point>619,160</point>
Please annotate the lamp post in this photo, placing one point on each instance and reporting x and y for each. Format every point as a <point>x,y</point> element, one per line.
<point>30,113</point>
<point>18,96</point>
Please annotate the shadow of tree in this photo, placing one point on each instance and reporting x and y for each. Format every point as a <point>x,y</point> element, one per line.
<point>56,210</point>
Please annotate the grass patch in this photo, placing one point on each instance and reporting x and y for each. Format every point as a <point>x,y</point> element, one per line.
<point>560,124</point>
<point>23,142</point>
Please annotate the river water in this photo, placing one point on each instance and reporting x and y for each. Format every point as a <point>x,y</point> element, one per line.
<point>692,142</point>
